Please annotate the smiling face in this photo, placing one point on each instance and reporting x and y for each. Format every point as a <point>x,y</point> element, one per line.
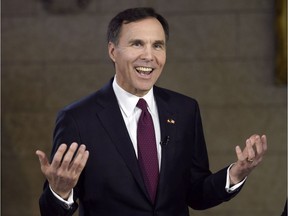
<point>139,56</point>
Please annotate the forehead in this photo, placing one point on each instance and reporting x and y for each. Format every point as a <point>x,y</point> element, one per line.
<point>143,29</point>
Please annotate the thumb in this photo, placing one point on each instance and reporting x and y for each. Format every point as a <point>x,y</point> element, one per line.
<point>239,153</point>
<point>42,159</point>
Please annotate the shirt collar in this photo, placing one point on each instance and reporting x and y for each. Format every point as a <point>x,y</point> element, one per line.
<point>128,101</point>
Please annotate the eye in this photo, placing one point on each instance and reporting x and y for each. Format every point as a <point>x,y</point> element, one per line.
<point>159,46</point>
<point>137,44</point>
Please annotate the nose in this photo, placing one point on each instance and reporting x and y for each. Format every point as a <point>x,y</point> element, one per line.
<point>147,54</point>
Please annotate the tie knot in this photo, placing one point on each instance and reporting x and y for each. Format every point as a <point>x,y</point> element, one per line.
<point>142,104</point>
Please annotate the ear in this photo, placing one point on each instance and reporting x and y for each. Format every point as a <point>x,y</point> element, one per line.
<point>111,51</point>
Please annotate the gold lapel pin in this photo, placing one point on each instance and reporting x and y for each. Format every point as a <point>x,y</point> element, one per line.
<point>171,121</point>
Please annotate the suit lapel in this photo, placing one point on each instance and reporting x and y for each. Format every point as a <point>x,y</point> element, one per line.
<point>112,120</point>
<point>168,126</point>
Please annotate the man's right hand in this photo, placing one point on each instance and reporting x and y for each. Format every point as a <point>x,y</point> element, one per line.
<point>64,171</point>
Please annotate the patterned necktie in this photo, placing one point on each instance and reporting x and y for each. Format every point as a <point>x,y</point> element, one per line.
<point>147,151</point>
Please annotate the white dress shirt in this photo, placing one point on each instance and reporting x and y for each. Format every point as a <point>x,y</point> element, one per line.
<point>131,113</point>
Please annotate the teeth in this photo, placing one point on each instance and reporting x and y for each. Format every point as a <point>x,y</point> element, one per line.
<point>144,69</point>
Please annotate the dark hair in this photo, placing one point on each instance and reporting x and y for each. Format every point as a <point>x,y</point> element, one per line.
<point>132,15</point>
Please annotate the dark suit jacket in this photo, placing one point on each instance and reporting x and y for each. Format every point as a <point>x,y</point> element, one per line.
<point>111,183</point>
<point>284,213</point>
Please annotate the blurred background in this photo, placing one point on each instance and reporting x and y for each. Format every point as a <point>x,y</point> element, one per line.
<point>228,54</point>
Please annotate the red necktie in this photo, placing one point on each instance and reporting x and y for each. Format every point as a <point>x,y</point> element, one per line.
<point>147,150</point>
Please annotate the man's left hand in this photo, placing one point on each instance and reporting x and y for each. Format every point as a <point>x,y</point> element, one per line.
<point>249,158</point>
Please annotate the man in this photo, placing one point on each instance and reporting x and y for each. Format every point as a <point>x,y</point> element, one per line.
<point>109,175</point>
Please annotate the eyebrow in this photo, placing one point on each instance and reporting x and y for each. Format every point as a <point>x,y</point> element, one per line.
<point>135,41</point>
<point>162,42</point>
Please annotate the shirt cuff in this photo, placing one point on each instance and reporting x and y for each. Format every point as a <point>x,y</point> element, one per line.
<point>234,187</point>
<point>68,202</point>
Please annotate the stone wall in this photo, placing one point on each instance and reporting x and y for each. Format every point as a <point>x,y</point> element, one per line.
<point>220,52</point>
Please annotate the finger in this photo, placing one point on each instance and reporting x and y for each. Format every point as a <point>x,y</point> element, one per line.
<point>250,149</point>
<point>264,142</point>
<point>69,156</point>
<point>58,156</point>
<point>42,159</point>
<point>83,162</point>
<point>259,146</point>
<point>77,157</point>
<point>239,154</point>
<point>80,156</point>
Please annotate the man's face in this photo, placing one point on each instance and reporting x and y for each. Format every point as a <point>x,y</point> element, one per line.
<point>139,56</point>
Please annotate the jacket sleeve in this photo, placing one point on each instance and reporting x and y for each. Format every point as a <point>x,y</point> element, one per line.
<point>206,189</point>
<point>65,132</point>
<point>51,206</point>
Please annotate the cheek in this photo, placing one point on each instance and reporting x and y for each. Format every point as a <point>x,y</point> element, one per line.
<point>128,53</point>
<point>162,59</point>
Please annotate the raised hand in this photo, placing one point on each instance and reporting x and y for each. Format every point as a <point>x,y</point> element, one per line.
<point>249,158</point>
<point>64,171</point>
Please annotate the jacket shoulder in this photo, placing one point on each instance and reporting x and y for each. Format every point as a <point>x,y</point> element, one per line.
<point>93,101</point>
<point>174,97</point>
